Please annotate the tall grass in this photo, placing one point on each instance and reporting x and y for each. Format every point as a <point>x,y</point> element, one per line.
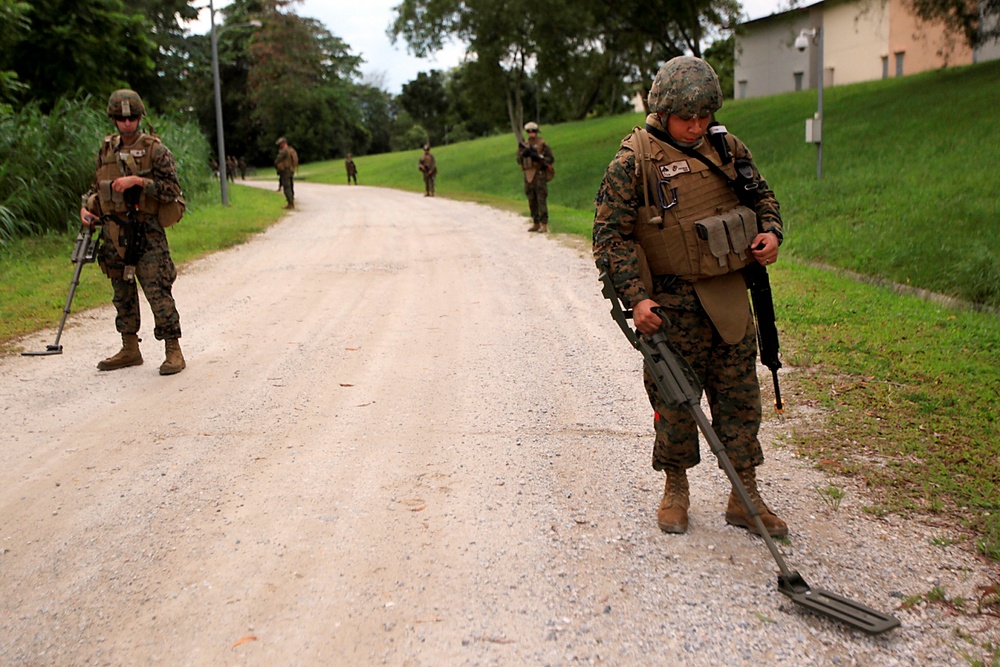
<point>47,161</point>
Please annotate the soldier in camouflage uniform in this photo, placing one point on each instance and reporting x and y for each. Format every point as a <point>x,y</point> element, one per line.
<point>286,163</point>
<point>352,169</point>
<point>676,236</point>
<point>130,159</point>
<point>428,167</point>
<point>535,158</point>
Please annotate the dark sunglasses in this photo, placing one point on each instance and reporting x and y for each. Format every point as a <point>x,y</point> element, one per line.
<point>123,118</point>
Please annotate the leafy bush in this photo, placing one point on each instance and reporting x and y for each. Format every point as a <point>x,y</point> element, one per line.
<point>47,161</point>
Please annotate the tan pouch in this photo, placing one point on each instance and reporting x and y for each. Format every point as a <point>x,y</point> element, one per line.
<point>724,298</point>
<point>170,213</point>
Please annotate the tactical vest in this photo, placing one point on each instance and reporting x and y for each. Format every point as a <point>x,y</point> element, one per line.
<point>691,224</point>
<point>530,167</point>
<point>136,160</point>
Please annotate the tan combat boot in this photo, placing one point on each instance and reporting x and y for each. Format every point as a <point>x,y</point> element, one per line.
<point>174,363</point>
<point>535,227</point>
<point>544,228</point>
<point>672,517</point>
<point>737,515</point>
<point>129,355</point>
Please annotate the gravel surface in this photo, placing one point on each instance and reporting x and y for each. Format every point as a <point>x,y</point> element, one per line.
<point>410,434</point>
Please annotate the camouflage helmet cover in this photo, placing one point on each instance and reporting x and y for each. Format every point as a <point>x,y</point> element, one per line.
<point>686,86</point>
<point>531,125</point>
<point>280,140</point>
<point>125,103</point>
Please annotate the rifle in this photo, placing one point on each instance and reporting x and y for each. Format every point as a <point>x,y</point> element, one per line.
<point>134,238</point>
<point>84,252</point>
<point>679,387</point>
<point>763,314</point>
<point>527,150</point>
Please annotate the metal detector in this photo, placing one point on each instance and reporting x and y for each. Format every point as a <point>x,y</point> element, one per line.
<point>679,386</point>
<point>84,252</point>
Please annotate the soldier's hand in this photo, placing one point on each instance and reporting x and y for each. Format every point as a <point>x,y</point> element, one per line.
<point>646,321</point>
<point>88,219</point>
<point>765,248</point>
<point>123,183</point>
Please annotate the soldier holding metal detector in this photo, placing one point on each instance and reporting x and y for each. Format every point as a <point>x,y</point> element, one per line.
<point>677,238</point>
<point>684,225</point>
<point>134,197</point>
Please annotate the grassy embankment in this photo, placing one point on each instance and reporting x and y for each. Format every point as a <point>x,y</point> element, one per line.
<point>908,388</point>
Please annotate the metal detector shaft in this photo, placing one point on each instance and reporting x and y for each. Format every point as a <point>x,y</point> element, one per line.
<point>83,253</point>
<point>678,385</point>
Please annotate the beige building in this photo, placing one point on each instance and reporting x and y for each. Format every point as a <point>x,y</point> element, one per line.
<point>862,40</point>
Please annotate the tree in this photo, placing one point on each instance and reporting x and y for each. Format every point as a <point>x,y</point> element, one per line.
<point>14,27</point>
<point>578,56</point>
<point>300,85</point>
<point>82,46</point>
<point>426,100</point>
<point>976,22</point>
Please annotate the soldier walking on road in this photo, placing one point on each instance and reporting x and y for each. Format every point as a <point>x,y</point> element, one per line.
<point>669,222</point>
<point>428,167</point>
<point>286,164</point>
<point>352,169</point>
<point>535,158</point>
<point>132,165</point>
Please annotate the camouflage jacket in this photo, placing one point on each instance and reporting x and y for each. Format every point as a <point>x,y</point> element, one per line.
<point>618,199</point>
<point>287,161</point>
<point>160,183</point>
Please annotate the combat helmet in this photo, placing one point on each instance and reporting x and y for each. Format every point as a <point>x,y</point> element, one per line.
<point>686,86</point>
<point>125,103</point>
<point>531,125</point>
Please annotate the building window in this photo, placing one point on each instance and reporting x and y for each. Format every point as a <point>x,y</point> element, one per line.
<point>798,80</point>
<point>899,63</point>
<point>741,90</point>
<point>885,67</point>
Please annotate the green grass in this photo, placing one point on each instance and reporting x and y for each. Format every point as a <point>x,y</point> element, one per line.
<point>906,390</point>
<point>35,272</point>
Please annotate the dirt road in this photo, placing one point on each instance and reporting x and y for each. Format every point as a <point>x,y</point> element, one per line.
<point>409,434</point>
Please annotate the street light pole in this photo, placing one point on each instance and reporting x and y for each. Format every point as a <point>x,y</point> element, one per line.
<point>218,95</point>
<point>819,103</point>
<point>814,126</point>
<point>218,106</point>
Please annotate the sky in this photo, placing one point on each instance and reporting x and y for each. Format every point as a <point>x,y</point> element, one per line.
<point>362,24</point>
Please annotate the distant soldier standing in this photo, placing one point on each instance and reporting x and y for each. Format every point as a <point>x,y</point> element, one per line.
<point>535,159</point>
<point>428,167</point>
<point>676,235</point>
<point>352,169</point>
<point>286,163</point>
<point>131,159</point>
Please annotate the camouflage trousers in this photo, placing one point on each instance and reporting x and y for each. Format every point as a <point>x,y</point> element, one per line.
<point>287,182</point>
<point>728,374</point>
<point>155,273</point>
<point>429,183</point>
<point>537,191</point>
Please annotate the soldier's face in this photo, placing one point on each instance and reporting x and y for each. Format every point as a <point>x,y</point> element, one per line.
<point>127,125</point>
<point>687,130</point>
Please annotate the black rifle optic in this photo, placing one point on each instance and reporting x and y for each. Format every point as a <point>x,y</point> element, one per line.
<point>679,386</point>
